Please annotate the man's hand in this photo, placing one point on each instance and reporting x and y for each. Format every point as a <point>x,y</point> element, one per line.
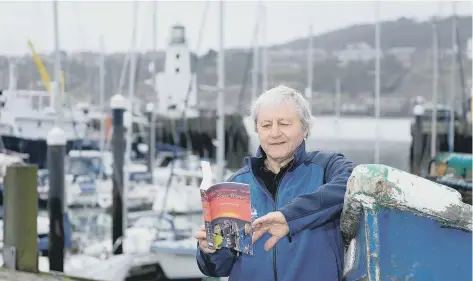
<point>201,236</point>
<point>275,224</point>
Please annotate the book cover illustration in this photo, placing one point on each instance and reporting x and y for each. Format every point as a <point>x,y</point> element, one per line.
<point>226,208</point>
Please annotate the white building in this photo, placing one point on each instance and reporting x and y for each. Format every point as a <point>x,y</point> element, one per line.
<point>361,52</point>
<point>173,83</point>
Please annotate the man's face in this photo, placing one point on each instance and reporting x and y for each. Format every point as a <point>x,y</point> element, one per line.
<point>280,130</point>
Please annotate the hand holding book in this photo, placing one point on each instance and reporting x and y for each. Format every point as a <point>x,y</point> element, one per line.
<point>201,236</point>
<point>226,208</point>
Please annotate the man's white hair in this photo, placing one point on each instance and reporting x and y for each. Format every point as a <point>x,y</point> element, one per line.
<point>279,94</point>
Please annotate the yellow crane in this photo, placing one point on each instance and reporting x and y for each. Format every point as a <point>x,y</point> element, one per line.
<point>42,70</point>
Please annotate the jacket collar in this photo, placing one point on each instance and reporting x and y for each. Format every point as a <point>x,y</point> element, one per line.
<point>299,157</point>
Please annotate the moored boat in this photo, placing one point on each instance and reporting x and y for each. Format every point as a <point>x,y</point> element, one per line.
<point>400,226</point>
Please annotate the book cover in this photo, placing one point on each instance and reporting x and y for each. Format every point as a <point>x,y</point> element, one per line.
<point>226,208</point>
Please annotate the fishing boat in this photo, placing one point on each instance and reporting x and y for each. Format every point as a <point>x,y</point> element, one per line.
<point>26,119</point>
<point>453,170</point>
<point>398,226</point>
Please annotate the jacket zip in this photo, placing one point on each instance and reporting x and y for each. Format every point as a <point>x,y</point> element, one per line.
<point>274,254</point>
<point>275,200</point>
<point>275,209</point>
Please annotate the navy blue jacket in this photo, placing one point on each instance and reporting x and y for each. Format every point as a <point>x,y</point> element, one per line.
<point>310,196</point>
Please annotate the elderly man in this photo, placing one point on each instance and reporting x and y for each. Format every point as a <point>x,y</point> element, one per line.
<point>298,196</point>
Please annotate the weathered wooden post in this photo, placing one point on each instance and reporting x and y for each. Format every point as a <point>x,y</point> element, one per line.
<point>417,140</point>
<point>118,105</point>
<point>20,231</point>
<point>56,151</point>
<point>151,137</point>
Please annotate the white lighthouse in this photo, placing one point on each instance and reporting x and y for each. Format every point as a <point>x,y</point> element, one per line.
<point>173,83</point>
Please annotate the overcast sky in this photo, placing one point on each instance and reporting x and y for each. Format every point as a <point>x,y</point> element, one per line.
<point>81,23</point>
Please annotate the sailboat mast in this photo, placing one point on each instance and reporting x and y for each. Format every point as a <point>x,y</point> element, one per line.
<point>338,98</point>
<point>255,71</point>
<point>13,76</point>
<point>221,98</point>
<point>451,123</point>
<point>310,67</point>
<point>264,60</point>
<point>377,81</point>
<point>338,104</point>
<point>129,129</point>
<point>57,69</point>
<point>152,144</point>
<point>102,94</point>
<point>433,139</point>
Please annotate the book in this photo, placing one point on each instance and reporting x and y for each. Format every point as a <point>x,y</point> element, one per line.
<point>226,207</point>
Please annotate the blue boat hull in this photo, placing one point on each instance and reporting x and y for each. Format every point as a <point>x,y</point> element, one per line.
<point>398,245</point>
<point>398,226</point>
